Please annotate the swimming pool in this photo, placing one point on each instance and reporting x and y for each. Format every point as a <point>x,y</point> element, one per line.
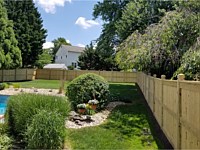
<point>3,103</point>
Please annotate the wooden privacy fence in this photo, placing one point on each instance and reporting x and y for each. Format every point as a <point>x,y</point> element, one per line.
<point>176,106</point>
<point>111,76</point>
<point>17,75</point>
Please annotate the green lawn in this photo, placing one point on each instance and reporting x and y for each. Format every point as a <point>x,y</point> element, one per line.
<point>127,127</point>
<point>47,84</point>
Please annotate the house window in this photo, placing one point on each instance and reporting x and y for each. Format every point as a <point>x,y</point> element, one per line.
<point>74,64</point>
<point>61,57</point>
<point>66,56</point>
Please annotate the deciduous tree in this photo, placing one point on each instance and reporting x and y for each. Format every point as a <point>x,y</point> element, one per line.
<point>57,43</point>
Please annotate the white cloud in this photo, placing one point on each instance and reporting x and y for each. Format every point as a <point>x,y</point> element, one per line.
<point>85,24</point>
<point>50,5</point>
<point>48,45</point>
<point>68,41</point>
<point>81,45</point>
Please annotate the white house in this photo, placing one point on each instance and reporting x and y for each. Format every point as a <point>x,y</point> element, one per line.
<point>68,55</point>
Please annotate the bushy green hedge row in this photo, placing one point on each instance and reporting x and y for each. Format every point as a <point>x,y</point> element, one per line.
<point>86,87</point>
<point>22,111</point>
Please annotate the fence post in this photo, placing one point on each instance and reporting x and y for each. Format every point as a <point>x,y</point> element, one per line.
<point>26,74</point>
<point>149,74</point>
<point>163,77</point>
<point>154,92</point>
<point>2,75</point>
<point>49,74</point>
<point>62,81</point>
<point>111,79</point>
<point>34,74</point>
<point>144,81</point>
<point>181,77</point>
<point>15,75</point>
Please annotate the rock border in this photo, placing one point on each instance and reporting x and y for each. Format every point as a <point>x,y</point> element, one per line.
<point>96,119</point>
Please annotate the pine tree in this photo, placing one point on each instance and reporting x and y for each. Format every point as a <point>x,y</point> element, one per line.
<point>28,29</point>
<point>10,54</point>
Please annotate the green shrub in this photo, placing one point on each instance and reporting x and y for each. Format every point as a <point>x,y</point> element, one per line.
<point>70,67</point>
<point>2,86</point>
<point>21,109</point>
<point>5,142</point>
<point>46,131</point>
<point>6,85</point>
<point>86,87</point>
<point>16,85</point>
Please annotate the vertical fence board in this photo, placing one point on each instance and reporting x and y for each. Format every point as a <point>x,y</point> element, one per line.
<point>177,109</point>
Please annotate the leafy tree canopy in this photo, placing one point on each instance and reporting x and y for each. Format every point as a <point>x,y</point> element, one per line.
<point>89,59</point>
<point>44,58</point>
<point>57,43</point>
<point>110,12</point>
<point>160,49</point>
<point>121,18</point>
<point>138,14</point>
<point>190,63</point>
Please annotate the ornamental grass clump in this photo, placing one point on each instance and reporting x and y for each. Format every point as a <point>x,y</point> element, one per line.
<point>46,131</point>
<point>22,108</point>
<point>5,140</point>
<point>86,87</point>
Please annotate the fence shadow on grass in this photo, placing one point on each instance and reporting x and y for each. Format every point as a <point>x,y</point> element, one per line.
<point>135,120</point>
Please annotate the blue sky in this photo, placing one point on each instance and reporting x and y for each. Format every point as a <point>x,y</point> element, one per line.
<point>71,19</point>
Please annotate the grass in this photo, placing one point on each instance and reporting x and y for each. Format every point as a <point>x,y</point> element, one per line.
<point>126,92</point>
<point>46,84</point>
<point>128,127</point>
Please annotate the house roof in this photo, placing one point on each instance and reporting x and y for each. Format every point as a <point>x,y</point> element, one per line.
<point>55,66</point>
<point>73,48</point>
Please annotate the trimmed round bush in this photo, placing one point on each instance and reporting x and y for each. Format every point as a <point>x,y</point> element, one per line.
<point>86,87</point>
<point>21,109</point>
<point>46,131</point>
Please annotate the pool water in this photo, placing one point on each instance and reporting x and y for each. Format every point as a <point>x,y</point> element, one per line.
<point>3,103</point>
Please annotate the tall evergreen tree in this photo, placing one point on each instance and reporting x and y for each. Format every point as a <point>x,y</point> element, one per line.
<point>10,54</point>
<point>28,28</point>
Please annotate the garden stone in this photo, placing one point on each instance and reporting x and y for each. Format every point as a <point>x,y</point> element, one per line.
<point>93,120</point>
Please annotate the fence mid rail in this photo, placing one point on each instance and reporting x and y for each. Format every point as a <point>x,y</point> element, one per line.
<point>111,76</point>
